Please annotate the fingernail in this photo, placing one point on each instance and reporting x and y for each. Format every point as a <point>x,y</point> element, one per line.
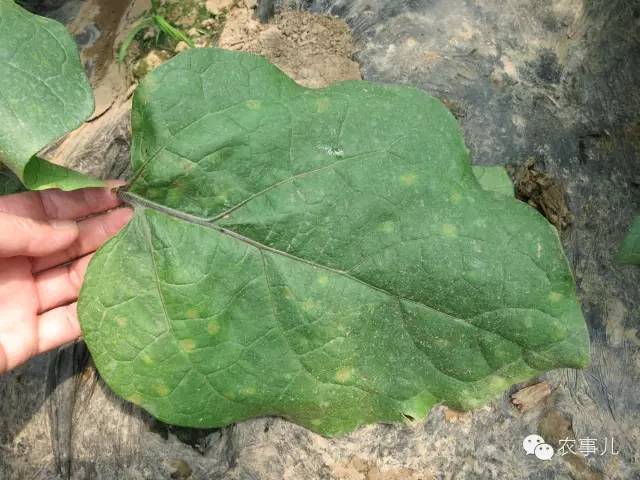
<point>115,183</point>
<point>63,224</point>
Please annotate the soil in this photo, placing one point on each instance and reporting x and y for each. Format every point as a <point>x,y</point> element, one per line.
<point>314,50</point>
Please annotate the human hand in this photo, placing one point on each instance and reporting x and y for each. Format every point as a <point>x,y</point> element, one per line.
<point>45,246</point>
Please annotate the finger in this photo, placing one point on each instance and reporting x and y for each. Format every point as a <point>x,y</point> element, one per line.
<point>18,336</point>
<point>57,327</point>
<point>60,205</point>
<point>93,232</point>
<point>16,284</point>
<point>34,238</point>
<point>4,364</point>
<point>61,285</point>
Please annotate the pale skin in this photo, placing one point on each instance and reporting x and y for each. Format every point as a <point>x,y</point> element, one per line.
<point>46,241</point>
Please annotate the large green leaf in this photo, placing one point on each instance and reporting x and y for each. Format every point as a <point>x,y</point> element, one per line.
<point>326,256</point>
<point>44,94</point>
<point>630,249</point>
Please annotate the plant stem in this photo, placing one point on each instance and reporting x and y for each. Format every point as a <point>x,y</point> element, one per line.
<point>171,31</point>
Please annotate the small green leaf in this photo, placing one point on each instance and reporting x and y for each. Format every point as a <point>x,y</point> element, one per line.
<point>44,94</point>
<point>171,31</point>
<point>9,183</point>
<point>326,255</point>
<point>494,179</point>
<point>630,250</point>
<point>138,27</point>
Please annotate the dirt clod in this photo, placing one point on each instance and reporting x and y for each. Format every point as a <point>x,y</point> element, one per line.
<point>181,47</point>
<point>180,470</point>
<point>149,62</point>
<point>217,7</point>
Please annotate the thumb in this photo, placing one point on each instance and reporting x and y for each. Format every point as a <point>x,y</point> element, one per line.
<point>34,238</point>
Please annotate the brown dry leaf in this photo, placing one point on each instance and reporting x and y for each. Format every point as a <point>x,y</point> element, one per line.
<point>541,191</point>
<point>528,397</point>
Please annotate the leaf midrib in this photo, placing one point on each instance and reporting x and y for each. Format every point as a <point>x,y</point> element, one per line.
<point>138,201</point>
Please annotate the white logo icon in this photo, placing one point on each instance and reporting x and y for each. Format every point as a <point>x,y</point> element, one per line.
<point>535,445</point>
<point>544,451</point>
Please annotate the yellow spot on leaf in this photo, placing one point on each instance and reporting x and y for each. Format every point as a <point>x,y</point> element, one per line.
<point>308,305</point>
<point>316,422</point>
<point>555,297</point>
<point>456,197</point>
<point>497,384</point>
<point>408,179</point>
<point>161,389</point>
<point>322,105</point>
<point>187,345</point>
<point>449,230</point>
<point>213,327</point>
<point>147,359</point>
<point>192,313</point>
<point>387,227</point>
<point>344,374</point>
<point>254,104</point>
<point>135,398</point>
<point>248,390</point>
<point>342,328</point>
<point>288,294</point>
<point>323,280</point>
<point>110,367</point>
<point>122,322</point>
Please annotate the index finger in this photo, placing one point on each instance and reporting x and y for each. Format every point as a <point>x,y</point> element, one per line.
<point>55,204</point>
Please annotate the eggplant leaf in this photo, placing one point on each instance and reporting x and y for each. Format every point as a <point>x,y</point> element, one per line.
<point>325,255</point>
<point>44,94</point>
<point>494,178</point>
<point>630,250</point>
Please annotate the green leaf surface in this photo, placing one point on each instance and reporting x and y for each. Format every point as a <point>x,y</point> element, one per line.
<point>44,94</point>
<point>630,249</point>
<point>494,178</point>
<point>325,255</point>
